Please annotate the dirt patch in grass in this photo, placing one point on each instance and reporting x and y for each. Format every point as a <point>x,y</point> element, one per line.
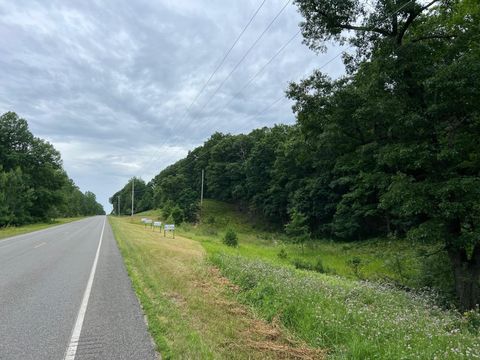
<point>191,308</point>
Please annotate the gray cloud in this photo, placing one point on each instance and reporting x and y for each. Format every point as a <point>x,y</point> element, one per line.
<point>109,82</point>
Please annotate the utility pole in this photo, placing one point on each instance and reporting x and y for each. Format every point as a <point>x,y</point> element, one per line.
<point>118,207</point>
<point>201,192</point>
<point>133,193</point>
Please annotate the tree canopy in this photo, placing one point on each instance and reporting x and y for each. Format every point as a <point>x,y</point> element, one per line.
<point>33,184</point>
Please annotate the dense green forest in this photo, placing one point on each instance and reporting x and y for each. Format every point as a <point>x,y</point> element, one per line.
<point>389,150</point>
<point>33,184</point>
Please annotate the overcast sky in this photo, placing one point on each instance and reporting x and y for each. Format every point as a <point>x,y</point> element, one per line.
<point>108,83</point>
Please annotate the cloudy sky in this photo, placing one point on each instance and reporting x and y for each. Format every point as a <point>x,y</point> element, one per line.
<point>111,83</point>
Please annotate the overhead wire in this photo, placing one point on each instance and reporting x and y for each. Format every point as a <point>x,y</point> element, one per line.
<point>217,68</point>
<point>245,55</point>
<point>222,61</point>
<point>277,100</point>
<point>258,73</point>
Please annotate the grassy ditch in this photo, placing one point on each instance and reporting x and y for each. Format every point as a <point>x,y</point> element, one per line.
<point>191,309</point>
<point>353,319</point>
<point>19,230</point>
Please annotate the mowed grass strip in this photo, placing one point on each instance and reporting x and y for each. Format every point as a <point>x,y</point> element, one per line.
<point>19,230</point>
<point>191,309</point>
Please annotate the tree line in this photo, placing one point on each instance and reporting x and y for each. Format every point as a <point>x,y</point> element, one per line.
<point>390,149</point>
<point>33,184</point>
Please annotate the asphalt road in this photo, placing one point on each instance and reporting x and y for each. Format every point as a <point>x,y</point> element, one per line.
<point>44,278</point>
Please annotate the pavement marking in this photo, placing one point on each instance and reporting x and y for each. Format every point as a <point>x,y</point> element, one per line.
<point>77,329</point>
<point>41,244</point>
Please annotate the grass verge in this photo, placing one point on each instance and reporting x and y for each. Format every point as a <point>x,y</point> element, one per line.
<point>19,230</point>
<point>354,319</point>
<point>191,309</point>
<point>396,261</point>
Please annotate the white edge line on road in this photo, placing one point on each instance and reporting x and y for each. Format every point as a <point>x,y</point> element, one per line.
<point>77,329</point>
<point>41,244</point>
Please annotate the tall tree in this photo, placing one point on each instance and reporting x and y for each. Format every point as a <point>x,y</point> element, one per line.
<point>408,155</point>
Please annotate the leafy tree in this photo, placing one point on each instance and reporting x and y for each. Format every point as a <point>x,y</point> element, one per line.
<point>408,156</point>
<point>15,198</point>
<point>33,183</point>
<point>298,229</point>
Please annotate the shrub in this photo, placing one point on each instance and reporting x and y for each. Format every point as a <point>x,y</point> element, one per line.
<point>297,228</point>
<point>231,238</point>
<point>355,263</point>
<point>167,209</point>
<point>177,214</point>
<point>282,254</point>
<point>472,318</point>
<point>305,265</point>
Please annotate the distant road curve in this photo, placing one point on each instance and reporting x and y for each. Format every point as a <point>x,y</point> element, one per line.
<point>65,294</point>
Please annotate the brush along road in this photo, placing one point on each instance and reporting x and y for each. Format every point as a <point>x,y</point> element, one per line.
<point>65,294</point>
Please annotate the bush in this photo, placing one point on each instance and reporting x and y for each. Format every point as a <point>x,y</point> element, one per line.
<point>355,263</point>
<point>167,209</point>
<point>472,318</point>
<point>177,215</point>
<point>231,238</point>
<point>282,254</point>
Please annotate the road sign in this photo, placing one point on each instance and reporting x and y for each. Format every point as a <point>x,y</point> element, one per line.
<point>169,227</point>
<point>147,222</point>
<point>157,224</point>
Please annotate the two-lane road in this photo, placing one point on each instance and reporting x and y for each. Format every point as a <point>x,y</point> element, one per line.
<point>65,294</point>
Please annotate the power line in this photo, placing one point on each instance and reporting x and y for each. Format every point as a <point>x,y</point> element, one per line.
<point>225,57</point>
<point>219,65</point>
<point>245,55</point>
<point>282,97</point>
<point>252,78</point>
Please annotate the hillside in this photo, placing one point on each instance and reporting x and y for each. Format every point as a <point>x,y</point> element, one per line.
<point>341,309</point>
<point>393,260</point>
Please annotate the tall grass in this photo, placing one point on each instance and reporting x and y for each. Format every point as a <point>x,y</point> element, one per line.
<point>352,319</point>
